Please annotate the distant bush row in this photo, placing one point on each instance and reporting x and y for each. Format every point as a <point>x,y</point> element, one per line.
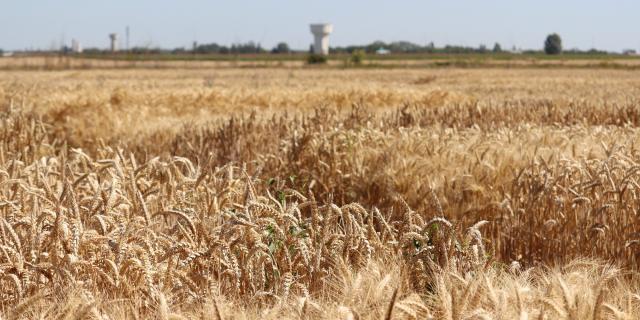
<point>552,45</point>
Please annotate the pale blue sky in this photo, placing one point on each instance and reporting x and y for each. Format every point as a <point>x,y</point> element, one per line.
<point>610,25</point>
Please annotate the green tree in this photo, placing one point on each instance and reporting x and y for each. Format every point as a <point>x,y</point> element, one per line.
<point>281,47</point>
<point>553,44</point>
<point>316,59</point>
<point>357,57</point>
<point>497,48</point>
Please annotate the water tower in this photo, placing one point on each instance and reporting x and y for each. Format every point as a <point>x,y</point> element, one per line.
<point>114,42</point>
<point>76,47</point>
<point>321,33</point>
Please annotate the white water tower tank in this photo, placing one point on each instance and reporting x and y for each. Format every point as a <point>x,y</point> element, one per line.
<point>114,42</point>
<point>321,33</point>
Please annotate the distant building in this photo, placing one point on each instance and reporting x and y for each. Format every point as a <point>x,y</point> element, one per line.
<point>515,50</point>
<point>76,47</point>
<point>629,52</point>
<point>383,51</point>
<point>114,42</point>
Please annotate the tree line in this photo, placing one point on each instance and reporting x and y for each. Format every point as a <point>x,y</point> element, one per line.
<point>552,46</point>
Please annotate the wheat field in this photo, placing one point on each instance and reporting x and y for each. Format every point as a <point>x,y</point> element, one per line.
<point>319,193</point>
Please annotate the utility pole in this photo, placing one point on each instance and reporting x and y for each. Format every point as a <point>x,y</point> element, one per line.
<point>127,35</point>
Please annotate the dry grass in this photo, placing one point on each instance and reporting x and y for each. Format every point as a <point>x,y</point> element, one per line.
<point>493,194</point>
<point>61,62</point>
